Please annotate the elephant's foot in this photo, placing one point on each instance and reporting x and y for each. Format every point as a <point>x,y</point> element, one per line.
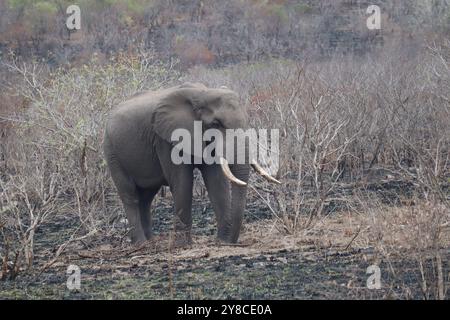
<point>137,238</point>
<point>224,236</point>
<point>181,239</point>
<point>225,241</point>
<point>138,242</point>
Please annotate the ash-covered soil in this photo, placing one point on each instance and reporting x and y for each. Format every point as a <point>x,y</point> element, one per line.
<point>325,262</point>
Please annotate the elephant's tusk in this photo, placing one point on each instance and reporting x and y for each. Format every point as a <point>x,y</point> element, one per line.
<point>227,172</point>
<point>262,172</point>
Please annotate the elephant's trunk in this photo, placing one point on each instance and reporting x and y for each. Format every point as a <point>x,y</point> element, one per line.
<point>238,200</point>
<point>238,176</point>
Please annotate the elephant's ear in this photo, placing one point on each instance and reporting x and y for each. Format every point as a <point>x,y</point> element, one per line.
<point>168,117</point>
<point>177,110</point>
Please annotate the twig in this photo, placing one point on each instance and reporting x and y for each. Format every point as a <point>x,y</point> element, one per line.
<point>62,247</point>
<point>353,238</point>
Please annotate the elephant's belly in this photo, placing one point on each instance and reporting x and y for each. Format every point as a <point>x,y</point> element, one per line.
<point>145,171</point>
<point>150,182</point>
<point>138,159</point>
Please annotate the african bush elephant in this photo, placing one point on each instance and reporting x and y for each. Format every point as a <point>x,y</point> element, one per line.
<point>138,148</point>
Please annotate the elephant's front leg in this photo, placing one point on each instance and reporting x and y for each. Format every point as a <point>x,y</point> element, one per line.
<point>181,188</point>
<point>219,193</point>
<point>180,179</point>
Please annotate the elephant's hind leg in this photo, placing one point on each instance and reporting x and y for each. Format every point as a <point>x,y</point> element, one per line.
<point>146,197</point>
<point>131,205</point>
<point>129,195</point>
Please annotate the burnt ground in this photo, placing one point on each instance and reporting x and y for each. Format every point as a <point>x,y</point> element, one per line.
<point>328,261</point>
<point>278,275</point>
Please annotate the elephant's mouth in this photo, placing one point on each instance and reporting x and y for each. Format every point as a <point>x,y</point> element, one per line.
<point>216,124</point>
<point>227,172</point>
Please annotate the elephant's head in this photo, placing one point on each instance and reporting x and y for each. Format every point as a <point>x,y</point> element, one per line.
<point>218,109</point>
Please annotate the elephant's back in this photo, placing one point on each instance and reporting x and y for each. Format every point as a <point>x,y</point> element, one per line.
<point>144,101</point>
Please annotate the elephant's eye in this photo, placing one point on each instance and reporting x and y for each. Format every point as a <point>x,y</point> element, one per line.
<point>216,123</point>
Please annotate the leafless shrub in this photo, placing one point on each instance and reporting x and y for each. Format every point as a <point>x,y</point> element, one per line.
<point>345,124</point>
<point>28,199</point>
<point>55,164</point>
